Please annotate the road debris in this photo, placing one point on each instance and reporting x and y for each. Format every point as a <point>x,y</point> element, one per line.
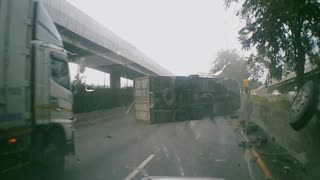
<point>108,137</point>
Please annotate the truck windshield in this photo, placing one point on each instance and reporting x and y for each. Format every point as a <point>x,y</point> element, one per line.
<point>60,72</point>
<point>159,89</point>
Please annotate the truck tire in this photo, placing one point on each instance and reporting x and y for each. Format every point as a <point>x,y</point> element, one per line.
<point>169,96</point>
<point>48,157</point>
<point>303,106</point>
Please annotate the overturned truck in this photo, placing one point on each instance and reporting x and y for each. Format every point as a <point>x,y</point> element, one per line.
<point>177,98</point>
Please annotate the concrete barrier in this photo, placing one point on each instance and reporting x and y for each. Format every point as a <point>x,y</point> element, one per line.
<point>271,114</point>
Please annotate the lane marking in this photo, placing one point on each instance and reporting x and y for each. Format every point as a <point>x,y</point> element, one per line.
<point>195,132</point>
<point>212,125</point>
<point>261,163</point>
<point>135,172</point>
<point>129,109</point>
<point>246,157</point>
<point>178,159</point>
<point>166,151</point>
<point>181,171</point>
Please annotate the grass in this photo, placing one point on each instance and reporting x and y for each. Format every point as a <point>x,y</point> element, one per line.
<point>272,101</point>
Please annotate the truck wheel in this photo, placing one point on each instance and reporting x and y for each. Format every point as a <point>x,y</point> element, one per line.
<point>169,96</point>
<point>48,157</point>
<point>303,106</point>
<point>54,157</point>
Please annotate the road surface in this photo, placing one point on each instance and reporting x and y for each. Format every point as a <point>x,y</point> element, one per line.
<point>120,148</point>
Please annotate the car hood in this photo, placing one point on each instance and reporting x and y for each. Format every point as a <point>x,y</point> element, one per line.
<point>179,178</point>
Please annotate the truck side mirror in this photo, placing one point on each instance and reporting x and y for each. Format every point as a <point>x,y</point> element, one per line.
<point>89,89</point>
<point>82,65</point>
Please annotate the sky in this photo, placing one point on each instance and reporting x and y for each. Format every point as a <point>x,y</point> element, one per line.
<point>183,36</point>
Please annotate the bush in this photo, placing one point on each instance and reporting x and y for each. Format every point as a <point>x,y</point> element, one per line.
<point>101,98</point>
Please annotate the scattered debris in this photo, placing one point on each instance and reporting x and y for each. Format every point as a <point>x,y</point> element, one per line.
<point>108,137</point>
<point>251,127</point>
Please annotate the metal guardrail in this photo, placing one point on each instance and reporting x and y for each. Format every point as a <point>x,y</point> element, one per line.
<point>291,81</point>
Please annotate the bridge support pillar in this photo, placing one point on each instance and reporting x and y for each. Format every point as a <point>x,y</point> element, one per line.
<point>115,80</point>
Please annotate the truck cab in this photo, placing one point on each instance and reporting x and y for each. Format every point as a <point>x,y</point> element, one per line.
<point>36,119</point>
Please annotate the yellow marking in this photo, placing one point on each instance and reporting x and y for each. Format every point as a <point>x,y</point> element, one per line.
<point>261,163</point>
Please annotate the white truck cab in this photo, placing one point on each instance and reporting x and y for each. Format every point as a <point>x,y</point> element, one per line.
<point>36,119</point>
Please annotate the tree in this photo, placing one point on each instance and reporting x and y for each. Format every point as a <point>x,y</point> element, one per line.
<point>78,85</point>
<point>256,66</point>
<point>229,64</point>
<point>284,31</point>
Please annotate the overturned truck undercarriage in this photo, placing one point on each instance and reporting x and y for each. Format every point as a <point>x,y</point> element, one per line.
<point>178,98</point>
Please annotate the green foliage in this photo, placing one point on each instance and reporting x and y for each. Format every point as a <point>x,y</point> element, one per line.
<point>284,31</point>
<point>233,66</point>
<point>78,84</point>
<point>256,67</point>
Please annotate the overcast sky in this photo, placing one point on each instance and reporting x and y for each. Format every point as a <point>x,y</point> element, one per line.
<point>181,35</point>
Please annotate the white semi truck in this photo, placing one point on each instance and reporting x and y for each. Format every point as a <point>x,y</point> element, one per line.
<point>36,119</point>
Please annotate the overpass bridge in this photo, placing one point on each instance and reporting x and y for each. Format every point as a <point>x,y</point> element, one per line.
<point>101,49</point>
<point>289,81</point>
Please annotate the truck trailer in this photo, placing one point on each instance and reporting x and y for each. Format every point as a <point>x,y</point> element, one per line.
<point>36,119</point>
<point>177,98</point>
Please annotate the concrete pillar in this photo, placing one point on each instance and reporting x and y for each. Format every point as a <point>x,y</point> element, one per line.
<point>115,80</point>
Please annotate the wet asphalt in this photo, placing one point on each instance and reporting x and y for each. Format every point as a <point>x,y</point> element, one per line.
<point>119,148</point>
